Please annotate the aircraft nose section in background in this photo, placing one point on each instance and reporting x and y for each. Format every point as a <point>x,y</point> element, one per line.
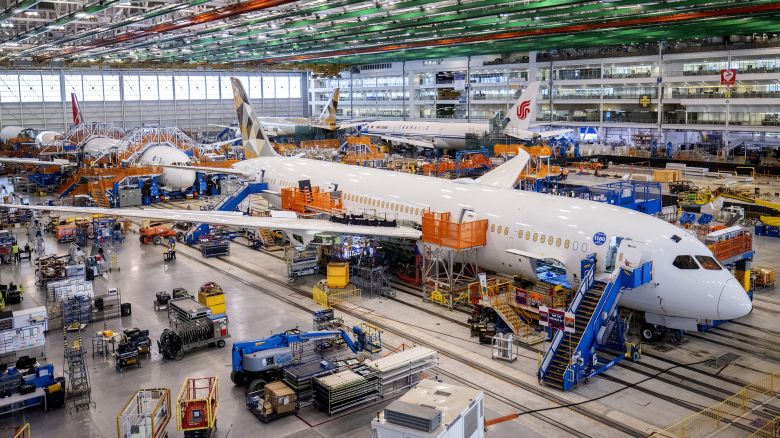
<point>734,302</point>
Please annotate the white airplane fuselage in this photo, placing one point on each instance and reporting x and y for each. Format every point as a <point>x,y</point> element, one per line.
<point>545,226</point>
<point>445,135</point>
<point>276,126</point>
<point>165,155</point>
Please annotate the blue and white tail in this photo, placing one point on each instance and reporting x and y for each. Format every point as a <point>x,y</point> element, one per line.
<point>256,143</point>
<point>328,115</point>
<point>524,111</point>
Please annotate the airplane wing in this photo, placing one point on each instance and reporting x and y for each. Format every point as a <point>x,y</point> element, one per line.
<point>520,135</point>
<point>506,175</point>
<point>36,162</point>
<point>297,225</point>
<point>523,253</point>
<point>326,127</point>
<point>408,140</point>
<point>553,133</point>
<point>202,169</point>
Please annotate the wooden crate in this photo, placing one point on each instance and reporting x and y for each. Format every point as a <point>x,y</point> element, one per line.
<point>765,277</point>
<point>667,175</point>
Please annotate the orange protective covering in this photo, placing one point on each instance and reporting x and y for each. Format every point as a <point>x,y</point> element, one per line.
<point>437,229</point>
<point>731,247</point>
<point>299,201</point>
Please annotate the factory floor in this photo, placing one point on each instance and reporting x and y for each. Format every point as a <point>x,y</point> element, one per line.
<point>258,307</point>
<point>251,316</point>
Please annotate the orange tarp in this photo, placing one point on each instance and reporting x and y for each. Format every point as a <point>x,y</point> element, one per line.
<point>731,247</point>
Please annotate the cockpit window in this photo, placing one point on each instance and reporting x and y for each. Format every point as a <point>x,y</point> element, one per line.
<point>709,263</point>
<point>676,238</point>
<point>685,262</point>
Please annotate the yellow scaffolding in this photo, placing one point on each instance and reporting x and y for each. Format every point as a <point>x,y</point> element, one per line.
<point>329,297</point>
<point>23,432</point>
<point>709,421</point>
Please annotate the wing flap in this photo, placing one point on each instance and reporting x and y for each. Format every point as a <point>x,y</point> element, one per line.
<point>301,226</point>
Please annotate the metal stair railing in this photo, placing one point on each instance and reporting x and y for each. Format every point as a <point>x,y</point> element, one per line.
<point>585,286</point>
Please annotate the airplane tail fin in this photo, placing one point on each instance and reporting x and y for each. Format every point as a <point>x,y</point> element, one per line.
<point>328,115</point>
<point>524,110</point>
<point>78,115</point>
<point>256,143</point>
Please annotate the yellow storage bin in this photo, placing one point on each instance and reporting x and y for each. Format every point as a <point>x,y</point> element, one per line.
<point>338,275</point>
<point>218,308</point>
<point>211,299</point>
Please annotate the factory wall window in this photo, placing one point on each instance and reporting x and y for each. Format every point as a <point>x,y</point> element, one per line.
<point>282,87</point>
<point>566,244</point>
<point>685,262</point>
<point>51,88</point>
<point>197,87</point>
<point>181,86</point>
<point>295,87</point>
<point>536,236</point>
<point>212,87</point>
<point>543,239</point>
<point>111,88</point>
<point>558,242</point>
<point>93,88</point>
<point>269,87</point>
<point>72,85</point>
<point>130,87</point>
<point>255,87</point>
<point>709,263</point>
<point>148,87</point>
<point>166,87</point>
<point>30,88</point>
<point>226,87</point>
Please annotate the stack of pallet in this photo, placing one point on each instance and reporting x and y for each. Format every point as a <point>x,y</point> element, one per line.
<point>667,175</point>
<point>346,389</point>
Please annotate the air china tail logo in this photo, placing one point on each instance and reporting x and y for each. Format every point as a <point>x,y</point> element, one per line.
<point>523,109</point>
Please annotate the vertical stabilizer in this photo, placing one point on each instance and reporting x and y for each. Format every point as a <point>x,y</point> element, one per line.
<point>256,143</point>
<point>328,115</point>
<point>78,115</point>
<point>524,111</point>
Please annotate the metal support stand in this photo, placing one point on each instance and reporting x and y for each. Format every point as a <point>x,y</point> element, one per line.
<point>447,273</point>
<point>79,391</point>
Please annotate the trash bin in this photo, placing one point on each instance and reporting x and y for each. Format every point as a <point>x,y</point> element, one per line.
<point>126,309</point>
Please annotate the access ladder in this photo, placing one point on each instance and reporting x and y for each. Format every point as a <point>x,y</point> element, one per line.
<point>597,329</point>
<point>228,203</point>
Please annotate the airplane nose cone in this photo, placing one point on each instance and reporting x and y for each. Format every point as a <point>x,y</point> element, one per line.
<point>734,301</point>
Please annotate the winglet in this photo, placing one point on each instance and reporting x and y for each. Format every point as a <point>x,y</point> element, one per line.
<point>78,115</point>
<point>506,175</point>
<point>256,143</point>
<point>328,115</point>
<point>524,110</point>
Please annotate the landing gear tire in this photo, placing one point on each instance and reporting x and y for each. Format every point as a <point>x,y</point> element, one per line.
<point>256,385</point>
<point>237,377</point>
<point>648,333</point>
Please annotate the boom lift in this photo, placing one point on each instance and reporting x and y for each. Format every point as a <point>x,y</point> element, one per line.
<point>261,361</point>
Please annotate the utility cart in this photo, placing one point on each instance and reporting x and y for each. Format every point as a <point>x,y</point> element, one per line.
<point>145,415</point>
<point>196,407</point>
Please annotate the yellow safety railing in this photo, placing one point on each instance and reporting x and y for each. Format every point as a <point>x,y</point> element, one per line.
<point>149,408</point>
<point>769,430</point>
<point>710,420</point>
<point>197,394</point>
<point>23,432</point>
<point>327,297</point>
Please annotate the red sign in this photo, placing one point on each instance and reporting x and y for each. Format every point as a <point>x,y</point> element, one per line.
<point>523,109</point>
<point>728,76</point>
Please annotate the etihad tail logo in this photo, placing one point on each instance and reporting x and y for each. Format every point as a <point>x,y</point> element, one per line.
<point>523,109</point>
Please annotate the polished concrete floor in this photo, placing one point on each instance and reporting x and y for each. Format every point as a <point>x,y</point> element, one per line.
<point>256,315</point>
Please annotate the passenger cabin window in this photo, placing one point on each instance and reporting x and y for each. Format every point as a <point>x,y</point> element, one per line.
<point>499,229</point>
<point>566,244</point>
<point>685,262</point>
<point>506,231</point>
<point>709,263</point>
<point>543,238</point>
<point>527,235</point>
<point>558,242</point>
<point>492,228</point>
<point>536,236</point>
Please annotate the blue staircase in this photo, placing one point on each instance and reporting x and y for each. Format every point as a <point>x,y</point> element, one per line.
<point>598,342</point>
<point>228,203</point>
